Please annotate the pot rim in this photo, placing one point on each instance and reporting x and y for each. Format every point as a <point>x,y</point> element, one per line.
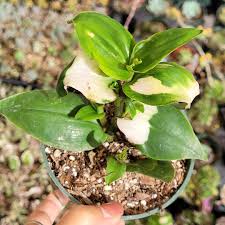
<point>55,180</point>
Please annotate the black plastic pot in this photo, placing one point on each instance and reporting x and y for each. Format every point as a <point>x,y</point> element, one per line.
<point>190,166</point>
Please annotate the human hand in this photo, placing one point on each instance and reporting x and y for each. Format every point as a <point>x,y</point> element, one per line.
<point>52,206</point>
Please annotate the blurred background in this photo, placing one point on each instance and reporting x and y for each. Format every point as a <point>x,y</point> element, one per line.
<point>36,43</point>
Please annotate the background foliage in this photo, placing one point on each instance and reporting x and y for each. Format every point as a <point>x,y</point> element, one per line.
<point>36,43</point>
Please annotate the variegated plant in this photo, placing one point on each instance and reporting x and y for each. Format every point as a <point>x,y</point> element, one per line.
<point>112,68</point>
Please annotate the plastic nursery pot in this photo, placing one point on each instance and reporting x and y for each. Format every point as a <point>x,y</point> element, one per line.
<point>190,166</point>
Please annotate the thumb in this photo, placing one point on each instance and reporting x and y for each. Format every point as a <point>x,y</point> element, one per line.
<point>109,214</point>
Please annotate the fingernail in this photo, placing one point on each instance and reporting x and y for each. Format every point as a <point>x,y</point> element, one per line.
<point>111,210</point>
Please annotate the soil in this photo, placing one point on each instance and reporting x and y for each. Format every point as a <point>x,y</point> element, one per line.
<point>83,175</point>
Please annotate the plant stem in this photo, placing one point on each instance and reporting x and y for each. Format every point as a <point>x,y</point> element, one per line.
<point>136,4</point>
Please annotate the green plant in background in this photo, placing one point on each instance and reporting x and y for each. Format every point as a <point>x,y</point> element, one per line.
<point>19,56</point>
<point>113,68</point>
<point>203,185</point>
<point>185,56</point>
<point>217,41</point>
<point>221,14</point>
<point>191,9</point>
<point>14,162</point>
<point>163,218</point>
<point>190,217</point>
<point>27,158</point>
<point>17,213</point>
<point>205,110</point>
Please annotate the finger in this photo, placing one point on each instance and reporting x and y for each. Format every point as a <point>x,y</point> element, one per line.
<point>49,209</point>
<point>121,223</point>
<point>109,214</point>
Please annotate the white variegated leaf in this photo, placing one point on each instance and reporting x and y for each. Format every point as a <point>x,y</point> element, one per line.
<point>137,129</point>
<point>162,133</point>
<point>166,83</point>
<point>84,76</point>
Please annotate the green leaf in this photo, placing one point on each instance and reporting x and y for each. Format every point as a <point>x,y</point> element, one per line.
<point>106,41</point>
<point>99,109</point>
<point>152,50</point>
<point>87,113</point>
<point>162,133</point>
<point>50,119</point>
<point>165,84</point>
<point>216,90</point>
<point>171,137</point>
<point>139,106</point>
<point>60,86</point>
<point>203,185</point>
<point>130,109</point>
<point>162,218</point>
<point>158,169</point>
<point>115,169</point>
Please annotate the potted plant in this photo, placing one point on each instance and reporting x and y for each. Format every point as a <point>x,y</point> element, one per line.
<point>113,129</point>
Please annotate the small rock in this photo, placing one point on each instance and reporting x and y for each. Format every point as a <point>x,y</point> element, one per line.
<point>57,153</point>
<point>72,158</point>
<point>86,175</point>
<point>154,196</point>
<point>131,204</point>
<point>135,152</point>
<point>92,179</point>
<point>134,181</point>
<point>32,75</point>
<point>107,188</point>
<point>175,183</point>
<point>74,173</point>
<point>106,144</point>
<point>126,186</point>
<point>147,180</point>
<point>47,150</point>
<point>37,47</point>
<point>143,202</point>
<point>99,180</point>
<point>66,168</point>
<point>91,156</point>
<point>142,196</point>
